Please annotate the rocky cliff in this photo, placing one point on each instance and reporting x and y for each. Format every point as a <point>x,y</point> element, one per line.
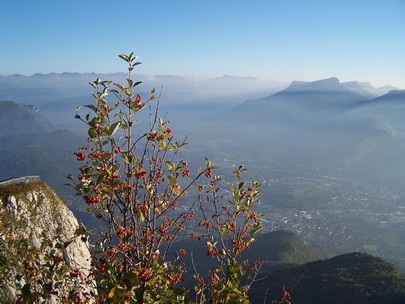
<point>43,254</point>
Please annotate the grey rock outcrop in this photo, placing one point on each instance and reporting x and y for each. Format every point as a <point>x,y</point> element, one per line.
<point>35,214</point>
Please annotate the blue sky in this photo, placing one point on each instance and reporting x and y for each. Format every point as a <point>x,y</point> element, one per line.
<point>280,40</point>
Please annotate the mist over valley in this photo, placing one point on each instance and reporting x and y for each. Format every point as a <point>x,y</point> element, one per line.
<point>330,153</point>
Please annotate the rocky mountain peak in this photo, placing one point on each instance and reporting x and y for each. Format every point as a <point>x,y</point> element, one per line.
<point>329,84</point>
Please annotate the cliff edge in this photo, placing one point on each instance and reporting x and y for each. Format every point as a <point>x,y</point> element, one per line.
<point>41,242</point>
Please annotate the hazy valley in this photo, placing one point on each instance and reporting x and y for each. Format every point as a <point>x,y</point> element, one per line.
<point>330,154</point>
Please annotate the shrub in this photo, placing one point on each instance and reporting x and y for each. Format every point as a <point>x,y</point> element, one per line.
<point>148,197</point>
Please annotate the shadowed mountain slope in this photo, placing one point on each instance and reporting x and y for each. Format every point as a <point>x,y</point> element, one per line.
<point>17,119</point>
<point>48,155</point>
<point>353,278</point>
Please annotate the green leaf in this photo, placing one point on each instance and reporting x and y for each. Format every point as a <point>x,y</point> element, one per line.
<point>172,181</point>
<point>180,144</point>
<point>127,157</point>
<point>130,82</point>
<point>105,156</point>
<point>105,92</point>
<point>123,57</point>
<point>171,166</point>
<point>93,84</point>
<point>256,228</point>
<point>133,123</point>
<point>209,164</point>
<point>92,107</point>
<point>91,133</point>
<point>114,128</point>
<point>100,178</point>
<point>162,144</point>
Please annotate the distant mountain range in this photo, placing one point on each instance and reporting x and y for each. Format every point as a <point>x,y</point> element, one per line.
<point>38,89</point>
<point>328,124</point>
<point>348,121</point>
<point>322,126</point>
<point>312,108</point>
<point>318,97</point>
<point>364,88</point>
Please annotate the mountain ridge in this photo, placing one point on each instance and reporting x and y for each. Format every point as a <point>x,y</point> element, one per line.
<point>18,118</point>
<point>351,278</point>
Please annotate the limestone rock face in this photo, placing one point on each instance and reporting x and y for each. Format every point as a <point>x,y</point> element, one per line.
<point>36,214</point>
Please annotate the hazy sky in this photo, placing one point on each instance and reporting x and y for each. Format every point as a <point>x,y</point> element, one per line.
<point>279,40</point>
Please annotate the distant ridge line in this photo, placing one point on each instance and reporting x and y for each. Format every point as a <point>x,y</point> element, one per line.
<point>24,179</point>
